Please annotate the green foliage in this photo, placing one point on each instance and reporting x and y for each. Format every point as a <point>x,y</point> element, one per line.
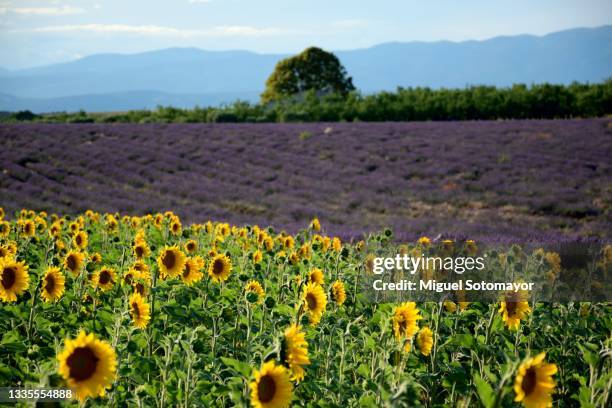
<point>204,341</point>
<point>312,70</point>
<point>544,101</point>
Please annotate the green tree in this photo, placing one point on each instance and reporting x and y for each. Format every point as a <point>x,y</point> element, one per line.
<point>312,70</point>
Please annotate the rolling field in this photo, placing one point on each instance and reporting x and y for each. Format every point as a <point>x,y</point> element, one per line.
<point>486,180</point>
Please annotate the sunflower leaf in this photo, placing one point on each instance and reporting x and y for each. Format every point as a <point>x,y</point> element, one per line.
<point>485,391</point>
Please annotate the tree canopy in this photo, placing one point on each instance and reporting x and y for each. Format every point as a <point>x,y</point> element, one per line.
<point>312,70</point>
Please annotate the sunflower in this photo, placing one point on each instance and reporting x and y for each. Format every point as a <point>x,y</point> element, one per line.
<point>88,365</point>
<point>104,279</point>
<point>533,384</point>
<point>405,320</point>
<point>514,309</point>
<point>1,213</point>
<point>461,300</point>
<point>171,262</point>
<point>4,252</point>
<point>315,302</point>
<point>223,229</point>
<point>271,387</point>
<point>294,353</point>
<point>424,341</point>
<point>449,306</point>
<point>74,227</point>
<point>470,247</point>
<point>336,244</point>
<point>139,310</point>
<point>316,276</point>
<point>55,230</point>
<point>305,251</point>
<point>80,240</point>
<point>315,225</point>
<point>220,268</point>
<point>256,288</point>
<point>193,270</point>
<point>424,241</point>
<point>360,245</point>
<point>5,229</point>
<point>140,287</point>
<point>141,249</point>
<point>176,227</point>
<point>74,262</point>
<point>554,261</point>
<point>53,285</point>
<point>191,246</point>
<point>326,244</point>
<point>14,279</point>
<point>28,228</point>
<point>288,242</point>
<point>158,221</point>
<point>448,245</point>
<point>142,269</point>
<point>268,244</point>
<point>96,258</point>
<point>257,256</point>
<point>261,236</point>
<point>338,293</point>
<point>111,223</point>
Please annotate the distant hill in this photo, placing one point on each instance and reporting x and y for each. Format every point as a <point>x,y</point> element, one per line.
<point>186,77</point>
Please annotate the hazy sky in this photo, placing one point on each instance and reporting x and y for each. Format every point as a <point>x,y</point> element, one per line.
<point>38,32</point>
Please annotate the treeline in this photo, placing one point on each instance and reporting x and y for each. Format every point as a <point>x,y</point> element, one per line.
<point>543,101</point>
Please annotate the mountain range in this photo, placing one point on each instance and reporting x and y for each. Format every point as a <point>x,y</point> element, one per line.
<point>186,77</point>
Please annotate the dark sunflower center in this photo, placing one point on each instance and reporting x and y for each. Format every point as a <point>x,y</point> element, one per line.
<point>175,227</point>
<point>218,267</point>
<point>82,363</point>
<point>71,262</point>
<point>266,388</point>
<point>136,309</point>
<point>128,278</point>
<point>105,277</point>
<point>169,260</point>
<point>50,284</point>
<point>3,252</point>
<point>79,240</point>
<point>311,300</point>
<point>140,288</point>
<point>511,308</point>
<point>530,381</point>
<point>403,325</point>
<point>139,251</point>
<point>9,275</point>
<point>191,246</point>
<point>187,270</point>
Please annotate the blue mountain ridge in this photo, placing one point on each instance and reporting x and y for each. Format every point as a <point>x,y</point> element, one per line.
<point>186,77</point>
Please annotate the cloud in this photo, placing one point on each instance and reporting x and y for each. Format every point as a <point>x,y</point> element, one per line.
<point>246,31</point>
<point>154,30</point>
<point>349,24</point>
<point>47,11</point>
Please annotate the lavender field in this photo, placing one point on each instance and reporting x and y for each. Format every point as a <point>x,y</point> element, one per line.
<point>511,179</point>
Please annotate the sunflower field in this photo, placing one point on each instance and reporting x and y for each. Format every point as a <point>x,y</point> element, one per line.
<point>145,311</point>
